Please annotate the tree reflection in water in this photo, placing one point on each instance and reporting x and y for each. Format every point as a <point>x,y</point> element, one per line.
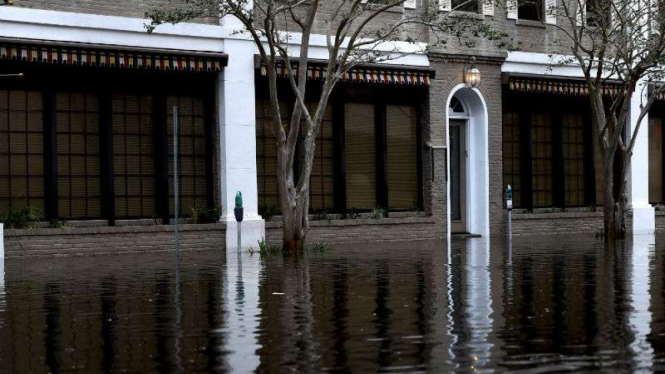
<point>537,304</point>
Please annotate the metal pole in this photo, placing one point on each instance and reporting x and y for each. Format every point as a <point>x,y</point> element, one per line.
<point>175,180</point>
<point>239,236</point>
<point>509,207</point>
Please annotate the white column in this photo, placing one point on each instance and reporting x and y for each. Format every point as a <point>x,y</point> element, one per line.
<point>640,316</point>
<point>236,102</point>
<point>242,311</point>
<point>644,220</point>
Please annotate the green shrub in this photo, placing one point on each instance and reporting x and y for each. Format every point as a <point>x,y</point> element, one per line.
<point>318,247</point>
<point>323,216</point>
<point>378,213</point>
<point>266,248</point>
<point>204,215</point>
<point>352,214</point>
<point>20,218</point>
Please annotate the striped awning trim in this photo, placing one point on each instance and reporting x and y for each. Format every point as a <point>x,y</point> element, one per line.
<point>558,87</point>
<point>108,58</point>
<point>362,75</point>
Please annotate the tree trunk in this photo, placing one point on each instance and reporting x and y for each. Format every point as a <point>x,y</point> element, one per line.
<point>609,217</point>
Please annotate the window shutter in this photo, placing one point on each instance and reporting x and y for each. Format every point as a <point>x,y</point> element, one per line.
<point>445,5</point>
<point>550,12</point>
<point>511,9</point>
<point>581,13</point>
<point>410,4</point>
<point>488,8</point>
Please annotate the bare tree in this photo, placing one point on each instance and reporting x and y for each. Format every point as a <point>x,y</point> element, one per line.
<point>619,46</point>
<point>354,36</point>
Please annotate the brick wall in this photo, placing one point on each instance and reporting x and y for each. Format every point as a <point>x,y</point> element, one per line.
<point>556,223</point>
<point>123,8</point>
<point>660,221</point>
<point>449,73</point>
<point>366,230</point>
<point>77,241</point>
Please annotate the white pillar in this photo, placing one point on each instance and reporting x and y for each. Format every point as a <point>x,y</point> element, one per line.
<point>241,282</point>
<point>236,103</point>
<point>644,220</point>
<point>640,316</point>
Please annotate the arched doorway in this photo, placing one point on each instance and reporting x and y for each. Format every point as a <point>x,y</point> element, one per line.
<point>467,162</point>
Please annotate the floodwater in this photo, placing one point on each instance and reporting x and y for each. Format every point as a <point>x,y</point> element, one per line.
<point>542,305</point>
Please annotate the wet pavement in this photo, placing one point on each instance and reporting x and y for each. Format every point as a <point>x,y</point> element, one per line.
<point>546,305</point>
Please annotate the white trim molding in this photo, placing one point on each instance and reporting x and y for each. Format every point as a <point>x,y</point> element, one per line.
<point>477,165</point>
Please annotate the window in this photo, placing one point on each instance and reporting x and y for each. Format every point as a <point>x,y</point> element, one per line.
<point>266,158</point>
<point>465,6</point>
<point>78,156</point>
<point>541,159</point>
<point>656,159</point>
<point>530,10</point>
<point>133,156</point>
<point>456,107</point>
<point>511,156</point>
<point>573,159</point>
<point>21,150</point>
<point>191,152</point>
<point>402,131</point>
<point>597,13</point>
<point>322,177</point>
<point>360,157</point>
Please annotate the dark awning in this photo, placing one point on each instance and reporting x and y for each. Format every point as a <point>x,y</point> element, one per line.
<point>116,57</point>
<point>557,86</point>
<point>407,76</point>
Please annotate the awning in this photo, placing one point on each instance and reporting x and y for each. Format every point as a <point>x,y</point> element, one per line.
<point>98,56</point>
<point>558,86</point>
<point>375,75</point>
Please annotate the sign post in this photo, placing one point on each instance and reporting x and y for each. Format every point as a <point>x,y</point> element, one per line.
<point>239,213</point>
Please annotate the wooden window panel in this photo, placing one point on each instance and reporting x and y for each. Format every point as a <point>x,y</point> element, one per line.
<point>191,153</point>
<point>656,160</point>
<point>360,157</point>
<point>321,192</point>
<point>511,156</point>
<point>402,148</point>
<point>133,156</point>
<point>78,156</point>
<point>266,158</point>
<point>541,160</point>
<point>21,150</point>
<point>573,154</point>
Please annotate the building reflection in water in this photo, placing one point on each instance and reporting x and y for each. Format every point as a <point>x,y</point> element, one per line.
<point>556,304</point>
<point>470,314</point>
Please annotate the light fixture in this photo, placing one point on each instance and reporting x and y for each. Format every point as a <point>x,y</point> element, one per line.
<point>471,74</point>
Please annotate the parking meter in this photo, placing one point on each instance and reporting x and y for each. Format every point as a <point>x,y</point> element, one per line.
<point>239,210</point>
<point>509,198</point>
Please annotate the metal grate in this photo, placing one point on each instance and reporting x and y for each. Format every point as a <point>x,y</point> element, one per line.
<point>133,156</point>
<point>78,156</point>
<point>402,149</point>
<point>191,152</point>
<point>321,194</point>
<point>512,169</point>
<point>21,150</point>
<point>573,159</point>
<point>541,160</point>
<point>266,159</point>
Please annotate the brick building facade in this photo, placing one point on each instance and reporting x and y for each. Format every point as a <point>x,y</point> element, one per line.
<point>92,74</point>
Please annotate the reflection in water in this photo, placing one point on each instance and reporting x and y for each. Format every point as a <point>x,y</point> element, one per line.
<point>535,305</point>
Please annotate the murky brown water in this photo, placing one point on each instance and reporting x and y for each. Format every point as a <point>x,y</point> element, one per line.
<point>546,306</point>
